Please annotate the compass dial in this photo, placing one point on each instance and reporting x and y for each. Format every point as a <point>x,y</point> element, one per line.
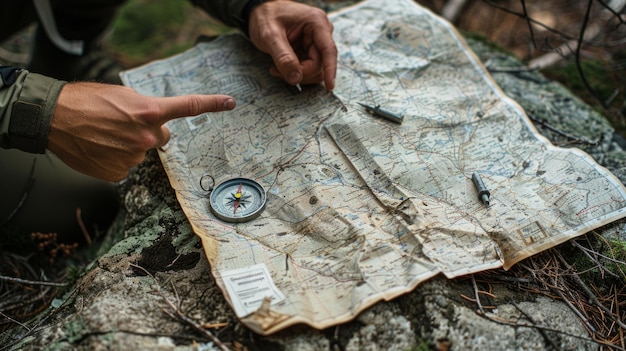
<point>237,200</point>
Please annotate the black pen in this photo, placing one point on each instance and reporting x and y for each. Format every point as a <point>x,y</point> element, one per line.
<point>388,115</point>
<point>483,192</point>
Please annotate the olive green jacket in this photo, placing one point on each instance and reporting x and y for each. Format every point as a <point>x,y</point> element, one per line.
<point>28,100</point>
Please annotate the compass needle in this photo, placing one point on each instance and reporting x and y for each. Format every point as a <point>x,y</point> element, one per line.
<point>237,198</point>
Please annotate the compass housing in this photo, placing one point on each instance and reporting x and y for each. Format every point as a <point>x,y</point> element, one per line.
<point>237,200</point>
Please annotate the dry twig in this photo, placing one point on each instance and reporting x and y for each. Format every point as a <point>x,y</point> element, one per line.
<point>31,282</point>
<point>540,329</point>
<point>175,312</point>
<point>590,295</point>
<point>571,138</point>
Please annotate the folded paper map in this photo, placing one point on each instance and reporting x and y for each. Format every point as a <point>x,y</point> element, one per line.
<point>357,208</point>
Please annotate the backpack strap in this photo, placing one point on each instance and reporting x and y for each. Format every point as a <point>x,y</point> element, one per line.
<point>44,10</point>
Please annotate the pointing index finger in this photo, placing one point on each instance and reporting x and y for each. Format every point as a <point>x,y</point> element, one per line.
<point>192,105</point>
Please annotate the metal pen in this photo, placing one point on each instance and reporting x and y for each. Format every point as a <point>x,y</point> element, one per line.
<point>380,112</point>
<point>483,192</point>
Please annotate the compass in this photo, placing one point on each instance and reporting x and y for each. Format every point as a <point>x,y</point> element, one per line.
<point>237,200</point>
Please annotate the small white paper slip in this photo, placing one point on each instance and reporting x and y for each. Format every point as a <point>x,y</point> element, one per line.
<point>247,287</point>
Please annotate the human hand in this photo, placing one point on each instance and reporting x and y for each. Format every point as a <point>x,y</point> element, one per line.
<point>103,130</point>
<point>299,39</point>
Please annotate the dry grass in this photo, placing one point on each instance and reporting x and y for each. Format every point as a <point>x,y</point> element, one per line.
<point>592,284</point>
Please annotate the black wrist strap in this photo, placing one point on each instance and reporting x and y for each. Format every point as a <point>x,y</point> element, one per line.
<point>31,113</point>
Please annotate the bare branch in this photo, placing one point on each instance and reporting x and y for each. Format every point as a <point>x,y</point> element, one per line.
<point>588,42</point>
<point>614,12</point>
<point>581,38</point>
<point>530,26</point>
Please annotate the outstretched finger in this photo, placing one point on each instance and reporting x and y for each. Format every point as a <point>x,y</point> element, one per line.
<point>192,105</point>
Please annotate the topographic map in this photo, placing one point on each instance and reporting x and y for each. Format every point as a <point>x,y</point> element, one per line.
<point>360,209</point>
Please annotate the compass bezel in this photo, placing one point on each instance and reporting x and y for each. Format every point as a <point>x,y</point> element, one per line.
<point>214,197</point>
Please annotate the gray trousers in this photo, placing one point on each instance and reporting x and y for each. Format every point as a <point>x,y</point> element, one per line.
<point>39,193</point>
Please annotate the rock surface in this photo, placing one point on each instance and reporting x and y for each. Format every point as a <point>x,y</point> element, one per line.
<point>152,267</point>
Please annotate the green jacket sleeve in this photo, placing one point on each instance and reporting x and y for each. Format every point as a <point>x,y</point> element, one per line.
<point>233,13</point>
<point>27,103</point>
